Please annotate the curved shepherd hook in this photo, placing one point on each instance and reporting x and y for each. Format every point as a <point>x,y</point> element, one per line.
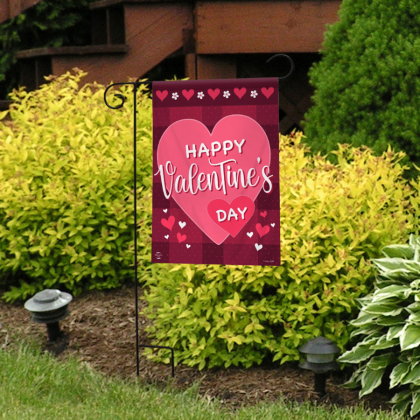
<point>121,97</point>
<point>292,64</point>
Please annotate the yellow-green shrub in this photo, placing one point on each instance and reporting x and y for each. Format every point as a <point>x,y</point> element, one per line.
<point>66,188</point>
<point>334,219</point>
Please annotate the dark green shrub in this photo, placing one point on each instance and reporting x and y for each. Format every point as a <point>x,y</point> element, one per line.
<point>66,189</point>
<point>367,85</point>
<point>388,328</point>
<point>334,219</point>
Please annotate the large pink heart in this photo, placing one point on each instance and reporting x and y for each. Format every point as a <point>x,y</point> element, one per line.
<point>192,138</point>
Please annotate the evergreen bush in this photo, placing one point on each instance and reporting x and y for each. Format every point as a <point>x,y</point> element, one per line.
<point>367,85</point>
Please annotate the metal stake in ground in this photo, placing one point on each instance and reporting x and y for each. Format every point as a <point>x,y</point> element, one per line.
<point>49,307</point>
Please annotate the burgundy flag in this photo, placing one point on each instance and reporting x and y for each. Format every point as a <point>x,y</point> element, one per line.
<point>216,172</point>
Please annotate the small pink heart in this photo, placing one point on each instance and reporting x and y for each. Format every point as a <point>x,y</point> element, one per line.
<point>231,217</point>
<point>168,223</point>
<point>262,230</point>
<point>162,94</point>
<point>181,238</point>
<point>239,92</point>
<point>263,213</point>
<point>188,93</point>
<point>213,93</point>
<point>267,92</point>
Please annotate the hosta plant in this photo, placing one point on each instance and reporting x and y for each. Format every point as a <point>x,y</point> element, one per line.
<point>389,327</point>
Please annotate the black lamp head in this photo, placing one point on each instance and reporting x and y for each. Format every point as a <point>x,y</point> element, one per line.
<point>320,355</point>
<point>49,307</point>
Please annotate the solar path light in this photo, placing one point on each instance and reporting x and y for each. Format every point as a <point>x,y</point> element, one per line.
<point>49,307</point>
<point>320,358</point>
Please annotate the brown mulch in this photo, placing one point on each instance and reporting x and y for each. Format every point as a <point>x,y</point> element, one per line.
<point>100,331</point>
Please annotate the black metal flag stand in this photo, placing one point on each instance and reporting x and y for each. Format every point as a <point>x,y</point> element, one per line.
<point>136,86</point>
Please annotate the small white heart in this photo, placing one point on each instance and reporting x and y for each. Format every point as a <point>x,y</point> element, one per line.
<point>258,247</point>
<point>166,236</point>
<point>258,160</point>
<point>182,224</point>
<point>188,246</point>
<point>273,224</point>
<point>165,210</point>
<point>250,234</point>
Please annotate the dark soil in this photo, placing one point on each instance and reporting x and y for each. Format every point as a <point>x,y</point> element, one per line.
<point>100,331</point>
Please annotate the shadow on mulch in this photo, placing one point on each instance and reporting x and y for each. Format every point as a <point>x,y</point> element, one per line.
<point>100,331</point>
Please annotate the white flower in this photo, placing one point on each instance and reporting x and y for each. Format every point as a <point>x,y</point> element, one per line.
<point>200,95</point>
<point>226,94</point>
<point>175,96</point>
<point>254,94</point>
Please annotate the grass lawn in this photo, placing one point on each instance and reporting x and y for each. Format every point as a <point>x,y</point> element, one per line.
<point>35,386</point>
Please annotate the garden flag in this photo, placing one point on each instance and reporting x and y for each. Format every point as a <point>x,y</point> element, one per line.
<point>216,197</point>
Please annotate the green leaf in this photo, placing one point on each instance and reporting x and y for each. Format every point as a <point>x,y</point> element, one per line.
<point>414,241</point>
<point>368,330</point>
<point>371,379</point>
<point>413,307</point>
<point>387,265</point>
<point>363,319</point>
<point>415,408</point>
<point>402,406</point>
<point>393,291</point>
<point>381,361</point>
<point>354,381</point>
<point>398,251</point>
<point>362,351</point>
<point>398,373</point>
<point>383,309</point>
<point>413,374</point>
<point>184,314</point>
<point>410,337</point>
<point>389,321</point>
<point>384,343</point>
<point>414,318</point>
<point>401,396</point>
<point>394,332</point>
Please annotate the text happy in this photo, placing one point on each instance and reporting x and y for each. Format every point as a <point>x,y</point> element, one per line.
<point>214,148</point>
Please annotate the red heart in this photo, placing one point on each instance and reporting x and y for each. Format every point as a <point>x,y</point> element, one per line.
<point>263,213</point>
<point>267,92</point>
<point>181,238</point>
<point>262,230</point>
<point>239,92</point>
<point>233,220</point>
<point>168,223</point>
<point>162,94</point>
<point>188,93</point>
<point>213,93</point>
